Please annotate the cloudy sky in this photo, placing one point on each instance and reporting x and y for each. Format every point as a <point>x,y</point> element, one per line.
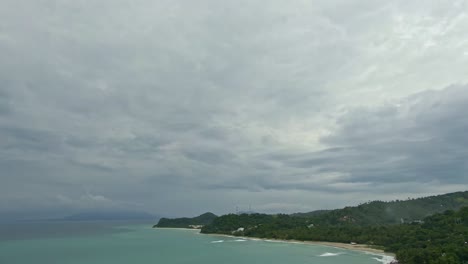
<point>180,107</point>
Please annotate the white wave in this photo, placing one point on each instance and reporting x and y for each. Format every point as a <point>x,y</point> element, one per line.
<point>240,240</point>
<point>385,259</point>
<point>217,241</point>
<point>328,254</point>
<point>271,241</point>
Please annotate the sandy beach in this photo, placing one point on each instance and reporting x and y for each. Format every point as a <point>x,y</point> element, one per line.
<point>357,247</point>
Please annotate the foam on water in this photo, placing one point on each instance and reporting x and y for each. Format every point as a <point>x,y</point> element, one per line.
<point>217,241</point>
<point>328,254</point>
<point>271,241</point>
<point>385,259</point>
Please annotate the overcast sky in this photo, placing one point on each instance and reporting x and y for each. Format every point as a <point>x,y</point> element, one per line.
<point>180,107</point>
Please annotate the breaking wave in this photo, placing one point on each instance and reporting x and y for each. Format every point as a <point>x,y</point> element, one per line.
<point>217,241</point>
<point>328,254</point>
<point>385,259</point>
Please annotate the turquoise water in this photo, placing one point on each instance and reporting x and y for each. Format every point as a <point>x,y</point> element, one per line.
<point>73,243</point>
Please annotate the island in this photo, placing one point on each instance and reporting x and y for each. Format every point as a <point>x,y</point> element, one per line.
<point>110,216</point>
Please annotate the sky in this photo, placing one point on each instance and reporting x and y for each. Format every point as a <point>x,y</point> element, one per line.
<point>181,107</point>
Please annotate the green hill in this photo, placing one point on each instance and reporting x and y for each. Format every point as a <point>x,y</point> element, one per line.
<point>425,230</point>
<point>186,222</point>
<point>443,238</point>
<point>368,214</point>
<point>311,214</point>
<point>440,239</point>
<point>394,212</point>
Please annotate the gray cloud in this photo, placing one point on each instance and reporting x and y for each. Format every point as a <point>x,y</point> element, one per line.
<point>418,139</point>
<point>164,105</point>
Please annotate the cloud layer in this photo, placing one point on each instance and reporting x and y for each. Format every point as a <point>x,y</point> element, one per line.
<point>179,107</point>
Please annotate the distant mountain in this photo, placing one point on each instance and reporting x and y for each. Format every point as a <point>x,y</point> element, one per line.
<point>186,222</point>
<point>110,215</point>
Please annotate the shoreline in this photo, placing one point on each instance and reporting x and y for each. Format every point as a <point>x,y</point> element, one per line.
<point>178,228</point>
<point>358,247</point>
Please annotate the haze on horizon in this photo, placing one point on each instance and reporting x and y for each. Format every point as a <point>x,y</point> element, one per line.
<point>182,107</point>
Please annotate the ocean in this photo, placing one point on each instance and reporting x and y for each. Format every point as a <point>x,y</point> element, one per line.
<point>138,243</point>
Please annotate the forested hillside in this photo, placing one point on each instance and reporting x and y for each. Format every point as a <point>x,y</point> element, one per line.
<point>431,230</point>
<point>441,239</point>
<point>186,222</point>
<point>368,214</point>
<point>378,212</point>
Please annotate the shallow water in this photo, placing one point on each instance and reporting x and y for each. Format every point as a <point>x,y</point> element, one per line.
<point>116,243</point>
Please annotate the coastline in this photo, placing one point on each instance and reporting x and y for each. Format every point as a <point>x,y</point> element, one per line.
<point>178,228</point>
<point>358,247</point>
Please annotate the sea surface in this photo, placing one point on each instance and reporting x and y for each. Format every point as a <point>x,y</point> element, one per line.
<point>135,243</point>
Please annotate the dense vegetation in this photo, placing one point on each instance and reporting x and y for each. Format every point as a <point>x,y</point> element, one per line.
<point>440,238</point>
<point>394,212</point>
<point>185,222</point>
